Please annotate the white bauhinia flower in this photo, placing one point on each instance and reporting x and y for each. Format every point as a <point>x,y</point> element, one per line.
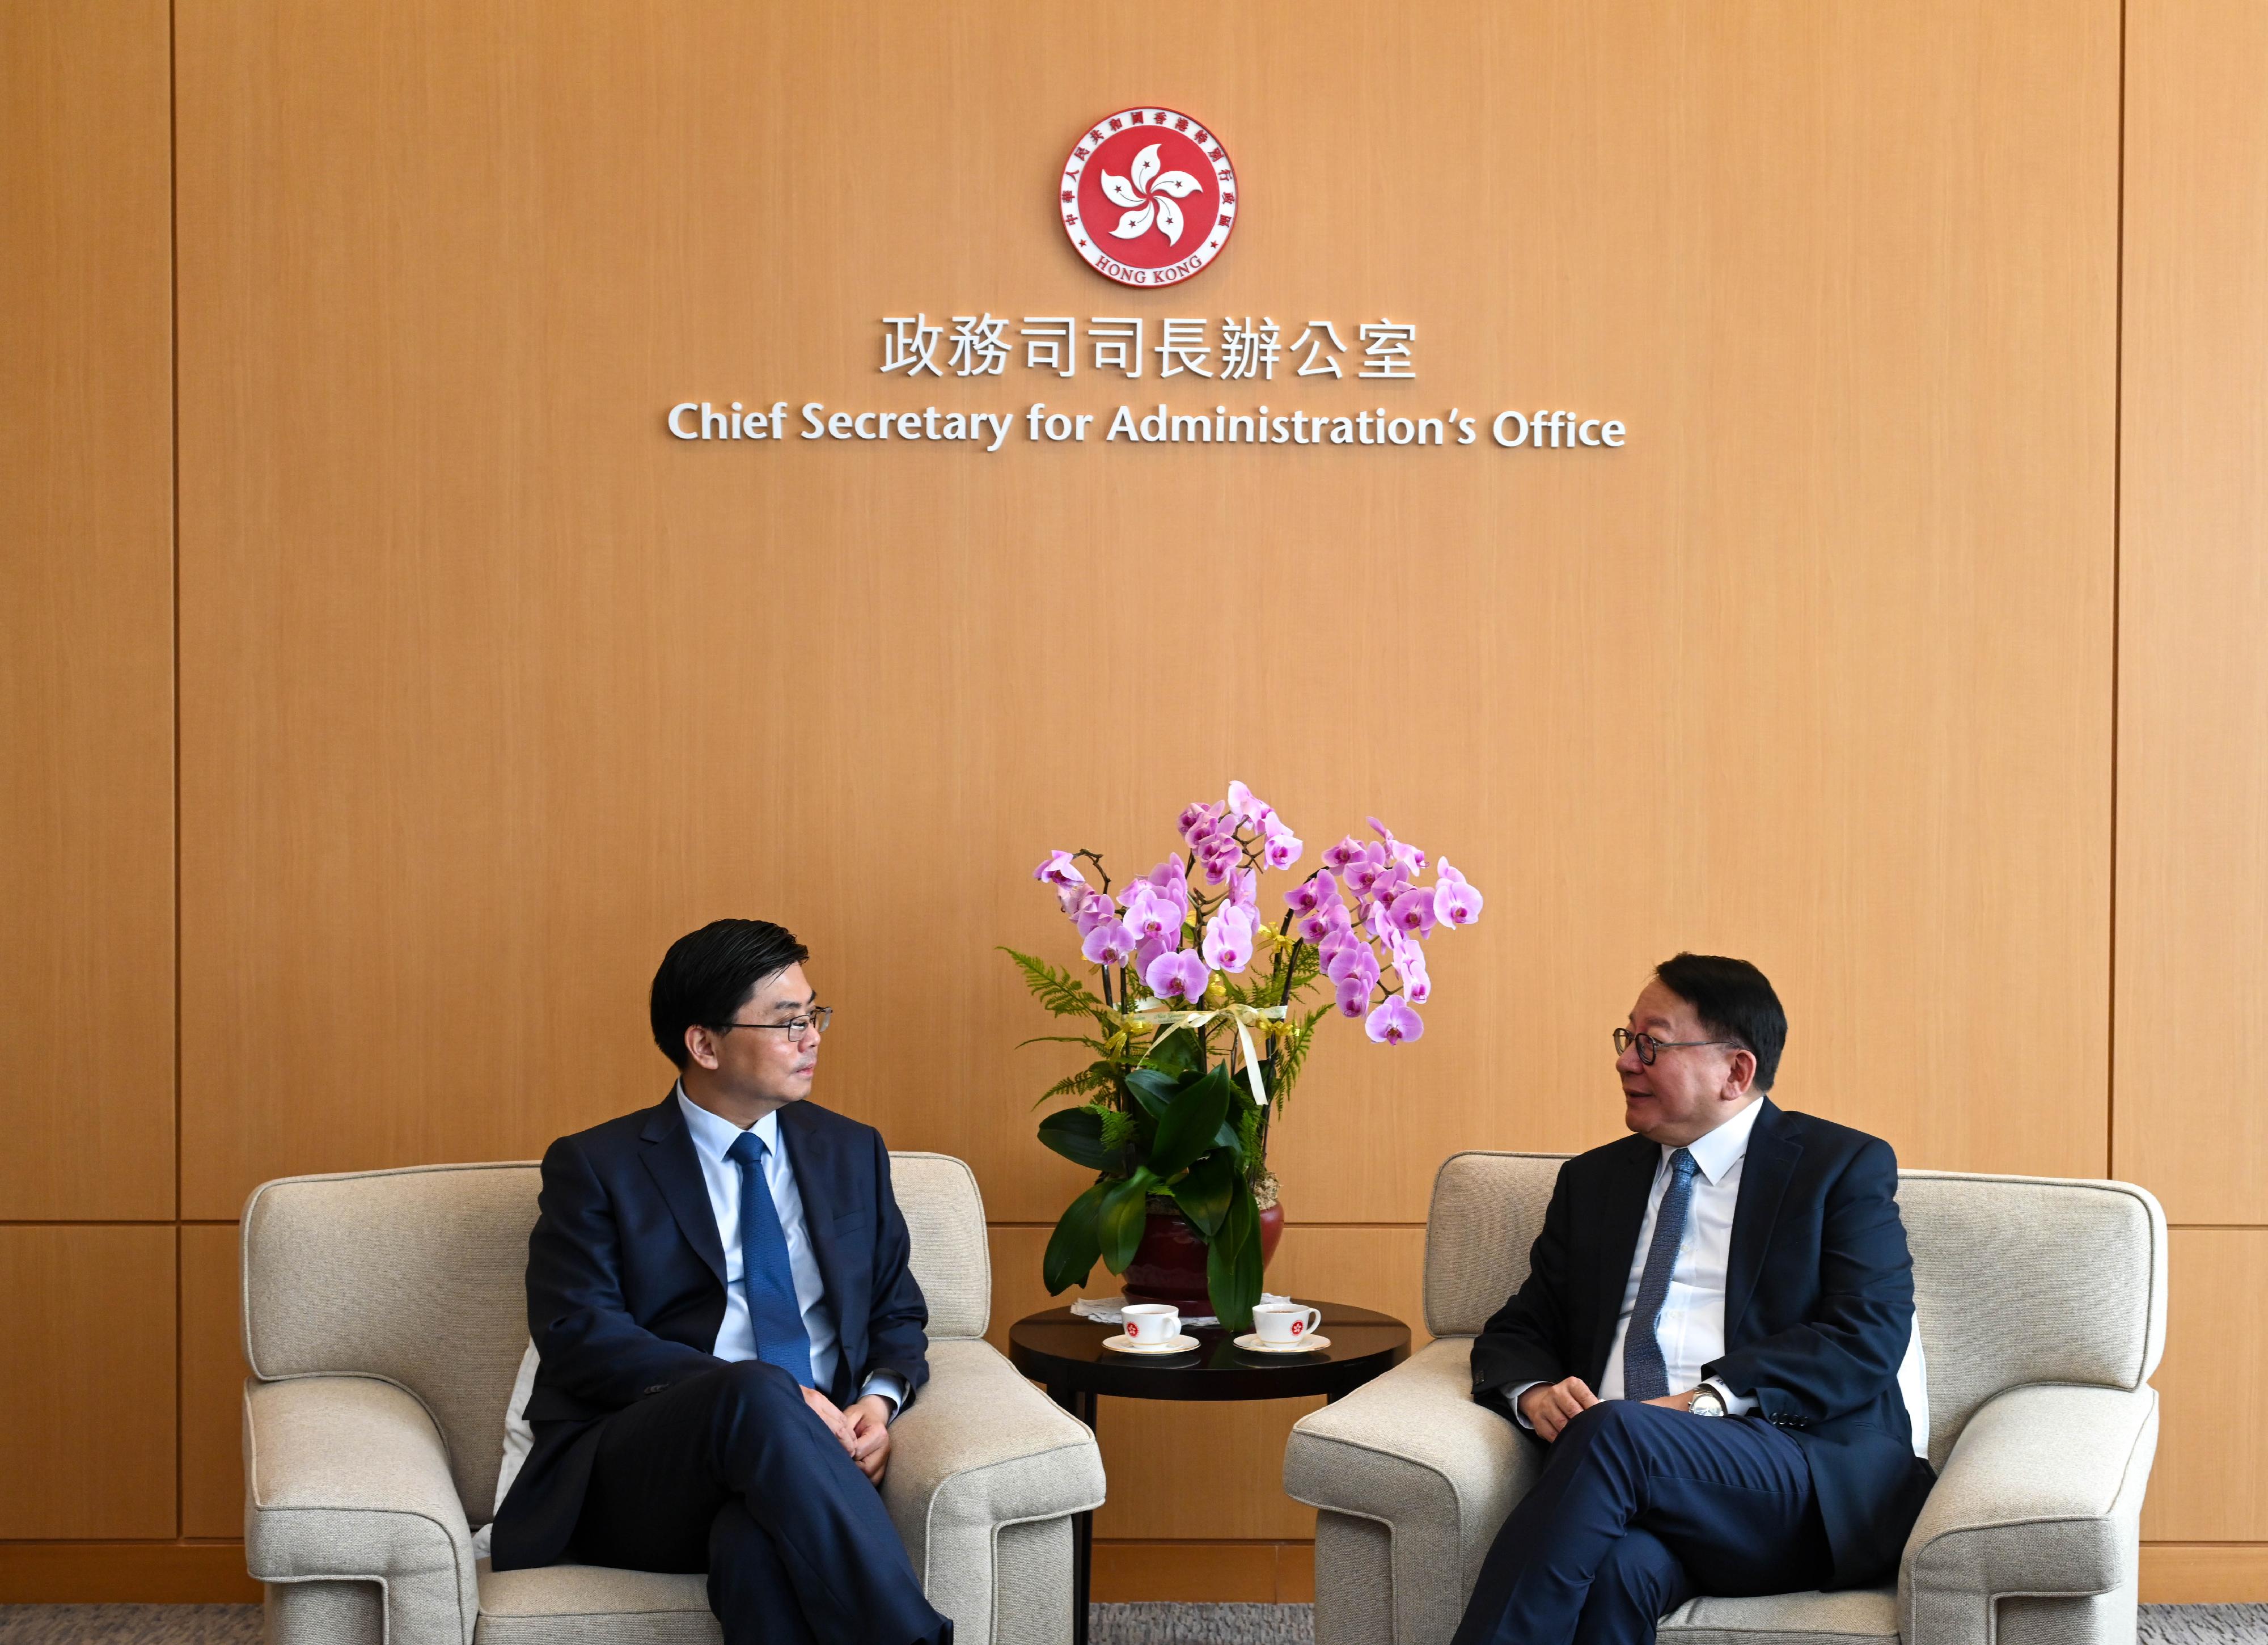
<point>1149,198</point>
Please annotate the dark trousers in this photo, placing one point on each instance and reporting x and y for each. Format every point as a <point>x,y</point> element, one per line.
<point>1639,1509</point>
<point>731,1473</point>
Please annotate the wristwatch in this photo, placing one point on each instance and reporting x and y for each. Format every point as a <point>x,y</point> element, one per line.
<point>1706,1403</point>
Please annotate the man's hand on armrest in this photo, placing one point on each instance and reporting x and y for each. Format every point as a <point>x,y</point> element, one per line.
<point>1547,1407</point>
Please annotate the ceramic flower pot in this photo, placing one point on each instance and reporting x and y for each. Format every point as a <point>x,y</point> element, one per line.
<point>1169,1264</point>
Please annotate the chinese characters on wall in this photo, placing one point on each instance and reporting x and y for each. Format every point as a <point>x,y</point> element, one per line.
<point>979,345</point>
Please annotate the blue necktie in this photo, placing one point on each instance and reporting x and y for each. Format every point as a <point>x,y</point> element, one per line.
<point>1644,1374</point>
<point>773,1310</point>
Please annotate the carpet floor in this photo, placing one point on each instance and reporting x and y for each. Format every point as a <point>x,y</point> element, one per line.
<point>1113,1625</point>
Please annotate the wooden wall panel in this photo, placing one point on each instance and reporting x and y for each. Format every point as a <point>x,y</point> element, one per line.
<point>213,1384</point>
<point>2207,1485</point>
<point>489,688</point>
<point>86,1377</point>
<point>2193,675</point>
<point>87,578</point>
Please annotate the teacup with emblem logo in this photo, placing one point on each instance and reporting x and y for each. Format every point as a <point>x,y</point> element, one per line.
<point>1152,1324</point>
<point>1284,1325</point>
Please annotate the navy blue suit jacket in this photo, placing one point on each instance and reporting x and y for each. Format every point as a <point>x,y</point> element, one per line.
<point>626,1290</point>
<point>1818,1309</point>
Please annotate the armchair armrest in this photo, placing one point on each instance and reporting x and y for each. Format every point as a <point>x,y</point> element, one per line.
<point>1413,1451</point>
<point>981,1449</point>
<point>2042,1495</point>
<point>346,1478</point>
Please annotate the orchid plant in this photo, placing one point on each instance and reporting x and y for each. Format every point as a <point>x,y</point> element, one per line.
<point>1198,1024</point>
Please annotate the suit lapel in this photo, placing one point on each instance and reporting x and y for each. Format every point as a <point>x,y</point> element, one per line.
<point>1622,1213</point>
<point>1771,1161</point>
<point>676,1171</point>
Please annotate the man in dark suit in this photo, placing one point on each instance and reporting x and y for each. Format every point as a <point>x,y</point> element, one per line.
<point>719,1291</point>
<point>1708,1342</point>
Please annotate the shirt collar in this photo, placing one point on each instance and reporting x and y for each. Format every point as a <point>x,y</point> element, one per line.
<point>1724,1148</point>
<point>714,1134</point>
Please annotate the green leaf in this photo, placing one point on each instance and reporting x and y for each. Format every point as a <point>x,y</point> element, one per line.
<point>1074,1246</point>
<point>1124,1207</point>
<point>1204,1191</point>
<point>1062,1039</point>
<point>1076,1133</point>
<point>1232,1262</point>
<point>1188,1128</point>
<point>1174,1053</point>
<point>1154,1090</point>
<point>1058,991</point>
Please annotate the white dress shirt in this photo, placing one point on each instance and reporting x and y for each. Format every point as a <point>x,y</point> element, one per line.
<point>1692,1328</point>
<point>712,1136</point>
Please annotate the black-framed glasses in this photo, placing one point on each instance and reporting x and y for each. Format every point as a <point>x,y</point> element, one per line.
<point>795,1028</point>
<point>1648,1046</point>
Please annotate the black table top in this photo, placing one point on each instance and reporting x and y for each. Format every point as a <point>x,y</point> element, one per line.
<point>1060,1350</point>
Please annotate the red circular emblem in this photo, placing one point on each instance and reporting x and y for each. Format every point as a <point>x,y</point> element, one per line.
<point>1149,196</point>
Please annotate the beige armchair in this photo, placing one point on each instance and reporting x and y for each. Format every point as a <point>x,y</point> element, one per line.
<point>2042,1312</point>
<point>384,1315</point>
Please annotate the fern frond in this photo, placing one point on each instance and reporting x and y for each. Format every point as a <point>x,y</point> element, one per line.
<point>1088,1081</point>
<point>1060,992</point>
<point>1293,1054</point>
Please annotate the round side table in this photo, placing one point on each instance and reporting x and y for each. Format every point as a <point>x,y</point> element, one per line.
<point>1064,1354</point>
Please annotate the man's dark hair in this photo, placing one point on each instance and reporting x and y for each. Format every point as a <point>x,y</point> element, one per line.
<point>708,974</point>
<point>1734,1001</point>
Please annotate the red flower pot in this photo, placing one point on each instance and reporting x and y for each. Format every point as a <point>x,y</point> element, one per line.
<point>1169,1264</point>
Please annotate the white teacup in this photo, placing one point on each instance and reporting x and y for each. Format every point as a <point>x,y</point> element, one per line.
<point>1152,1324</point>
<point>1280,1324</point>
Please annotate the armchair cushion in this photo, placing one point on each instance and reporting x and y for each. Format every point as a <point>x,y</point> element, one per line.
<point>346,1477</point>
<point>2040,1495</point>
<point>1411,1449</point>
<point>981,1449</point>
<point>594,1605</point>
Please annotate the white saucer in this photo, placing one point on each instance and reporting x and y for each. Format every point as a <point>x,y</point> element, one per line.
<point>1250,1343</point>
<point>1122,1344</point>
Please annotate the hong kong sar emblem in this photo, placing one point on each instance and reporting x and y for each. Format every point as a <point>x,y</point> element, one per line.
<point>1149,196</point>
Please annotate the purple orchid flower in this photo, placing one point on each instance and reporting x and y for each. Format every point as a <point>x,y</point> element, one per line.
<point>1412,912</point>
<point>1172,881</point>
<point>1410,965</point>
<point>1244,893</point>
<point>1147,950</point>
<point>1312,893</point>
<point>1353,996</point>
<point>1109,943</point>
<point>1059,869</point>
<point>1228,940</point>
<point>1395,1024</point>
<point>1095,908</point>
<point>1151,913</point>
<point>1344,854</point>
<point>1409,856</point>
<point>1181,977</point>
<point>1367,869</point>
<point>1456,902</point>
<point>1351,962</point>
<point>1283,848</point>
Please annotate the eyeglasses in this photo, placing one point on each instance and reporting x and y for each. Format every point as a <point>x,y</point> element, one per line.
<point>1648,1046</point>
<point>795,1028</point>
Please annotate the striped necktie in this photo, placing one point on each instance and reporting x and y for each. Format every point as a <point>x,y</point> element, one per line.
<point>1644,1374</point>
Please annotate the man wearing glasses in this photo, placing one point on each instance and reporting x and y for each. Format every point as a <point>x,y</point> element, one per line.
<point>718,1291</point>
<point>1709,1343</point>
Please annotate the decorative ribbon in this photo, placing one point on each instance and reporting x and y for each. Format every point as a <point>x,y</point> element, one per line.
<point>1151,1013</point>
